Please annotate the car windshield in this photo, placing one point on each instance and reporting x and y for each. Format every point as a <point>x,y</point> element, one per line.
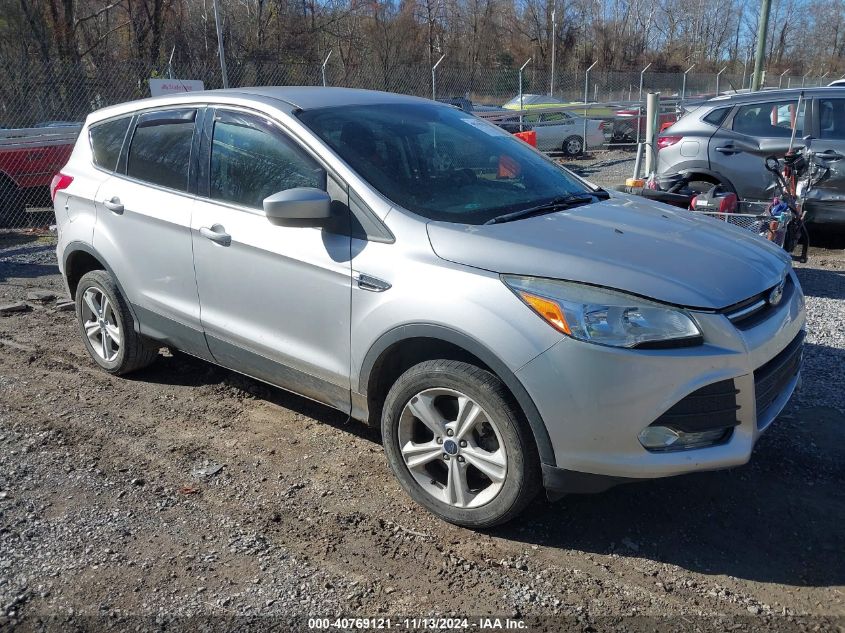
<point>440,162</point>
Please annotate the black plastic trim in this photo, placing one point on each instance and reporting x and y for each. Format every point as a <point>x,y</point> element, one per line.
<point>278,374</point>
<point>689,341</point>
<point>170,332</point>
<point>709,408</point>
<point>560,482</point>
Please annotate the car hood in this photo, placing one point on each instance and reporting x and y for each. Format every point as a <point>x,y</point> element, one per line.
<point>627,243</point>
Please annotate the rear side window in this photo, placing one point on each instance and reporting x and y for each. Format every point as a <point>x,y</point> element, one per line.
<point>106,141</point>
<point>770,120</point>
<point>251,160</point>
<point>717,116</point>
<point>160,152</point>
<point>832,119</point>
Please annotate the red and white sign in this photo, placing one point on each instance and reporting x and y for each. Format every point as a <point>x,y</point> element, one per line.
<point>160,87</point>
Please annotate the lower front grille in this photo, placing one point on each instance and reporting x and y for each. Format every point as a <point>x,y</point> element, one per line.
<point>771,379</point>
<point>711,407</point>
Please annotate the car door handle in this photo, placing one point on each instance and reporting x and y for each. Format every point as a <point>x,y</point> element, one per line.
<point>216,234</point>
<point>373,284</point>
<point>114,205</point>
<point>728,149</point>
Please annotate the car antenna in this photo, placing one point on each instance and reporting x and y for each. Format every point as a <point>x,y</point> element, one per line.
<point>795,122</point>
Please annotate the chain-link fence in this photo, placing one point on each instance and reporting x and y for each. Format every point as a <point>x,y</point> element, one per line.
<point>42,108</point>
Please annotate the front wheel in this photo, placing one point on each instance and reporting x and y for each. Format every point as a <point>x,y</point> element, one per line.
<point>458,444</point>
<point>573,146</point>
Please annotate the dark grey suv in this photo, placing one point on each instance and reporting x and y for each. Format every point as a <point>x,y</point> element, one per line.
<point>727,139</point>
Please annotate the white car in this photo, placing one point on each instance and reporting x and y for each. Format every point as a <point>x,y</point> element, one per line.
<point>561,131</point>
<point>564,132</point>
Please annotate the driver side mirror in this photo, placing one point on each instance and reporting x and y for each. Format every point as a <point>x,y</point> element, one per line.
<point>301,203</point>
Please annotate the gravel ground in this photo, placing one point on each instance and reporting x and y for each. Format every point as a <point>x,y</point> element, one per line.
<point>606,168</point>
<point>187,491</point>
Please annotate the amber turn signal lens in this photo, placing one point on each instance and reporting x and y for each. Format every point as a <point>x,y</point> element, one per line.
<point>547,309</point>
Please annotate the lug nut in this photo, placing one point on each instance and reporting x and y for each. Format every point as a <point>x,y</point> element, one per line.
<point>439,440</point>
<point>450,432</point>
<point>463,443</point>
<point>460,458</point>
<point>446,456</point>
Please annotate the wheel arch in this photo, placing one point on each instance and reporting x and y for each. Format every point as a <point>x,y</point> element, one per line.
<point>713,176</point>
<point>406,345</point>
<point>80,258</point>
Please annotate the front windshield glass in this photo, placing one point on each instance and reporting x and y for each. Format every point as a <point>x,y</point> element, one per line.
<point>440,162</point>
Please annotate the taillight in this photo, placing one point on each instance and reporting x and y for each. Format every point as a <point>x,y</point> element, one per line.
<point>667,141</point>
<point>60,181</point>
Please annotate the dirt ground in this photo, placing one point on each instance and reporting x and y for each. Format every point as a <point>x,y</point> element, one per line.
<point>188,494</point>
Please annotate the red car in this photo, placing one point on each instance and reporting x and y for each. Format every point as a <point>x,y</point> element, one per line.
<point>29,157</point>
<point>627,120</point>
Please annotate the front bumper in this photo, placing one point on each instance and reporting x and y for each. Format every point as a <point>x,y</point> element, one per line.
<point>595,400</point>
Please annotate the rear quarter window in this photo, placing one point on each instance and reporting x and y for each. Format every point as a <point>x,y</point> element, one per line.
<point>106,140</point>
<point>716,116</point>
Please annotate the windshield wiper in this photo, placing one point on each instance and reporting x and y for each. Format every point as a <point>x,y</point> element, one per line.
<point>556,204</point>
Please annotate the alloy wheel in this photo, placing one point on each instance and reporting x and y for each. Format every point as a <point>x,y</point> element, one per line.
<point>100,324</point>
<point>573,146</point>
<point>452,448</point>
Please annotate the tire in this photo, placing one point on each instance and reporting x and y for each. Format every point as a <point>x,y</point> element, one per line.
<point>701,185</point>
<point>11,204</point>
<point>572,145</point>
<point>501,443</point>
<point>126,350</point>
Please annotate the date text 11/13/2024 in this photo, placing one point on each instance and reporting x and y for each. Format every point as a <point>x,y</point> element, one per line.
<point>418,624</point>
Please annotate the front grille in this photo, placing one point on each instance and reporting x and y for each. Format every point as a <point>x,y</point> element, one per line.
<point>756,309</point>
<point>711,407</point>
<point>771,379</point>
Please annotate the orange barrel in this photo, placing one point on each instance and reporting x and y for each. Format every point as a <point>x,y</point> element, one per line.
<point>529,137</point>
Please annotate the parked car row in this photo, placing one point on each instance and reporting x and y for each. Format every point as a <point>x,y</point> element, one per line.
<point>569,127</point>
<point>726,140</point>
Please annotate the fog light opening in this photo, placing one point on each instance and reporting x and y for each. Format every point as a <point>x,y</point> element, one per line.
<point>664,438</point>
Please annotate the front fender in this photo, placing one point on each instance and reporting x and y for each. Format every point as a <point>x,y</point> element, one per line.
<point>477,349</point>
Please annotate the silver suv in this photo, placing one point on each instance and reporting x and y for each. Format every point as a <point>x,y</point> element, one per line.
<point>506,324</point>
<point>726,141</point>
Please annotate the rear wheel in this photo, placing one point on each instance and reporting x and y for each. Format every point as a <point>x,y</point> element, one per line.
<point>700,184</point>
<point>573,145</point>
<point>458,444</point>
<point>107,326</point>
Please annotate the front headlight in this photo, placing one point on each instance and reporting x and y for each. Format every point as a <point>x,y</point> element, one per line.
<point>603,316</point>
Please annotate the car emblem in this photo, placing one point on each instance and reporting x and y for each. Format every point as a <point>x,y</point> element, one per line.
<point>450,447</point>
<point>776,294</point>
